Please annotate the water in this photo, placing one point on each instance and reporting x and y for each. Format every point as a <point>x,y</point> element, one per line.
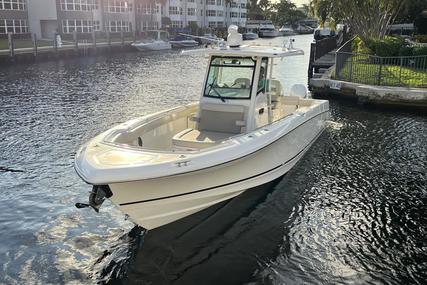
<point>352,211</point>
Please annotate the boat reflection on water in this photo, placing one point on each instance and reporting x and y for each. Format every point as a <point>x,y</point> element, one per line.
<point>185,246</point>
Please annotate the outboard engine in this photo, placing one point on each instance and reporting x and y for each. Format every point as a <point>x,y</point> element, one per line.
<point>96,197</point>
<point>298,90</point>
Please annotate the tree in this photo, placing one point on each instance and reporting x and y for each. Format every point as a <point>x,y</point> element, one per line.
<point>285,12</point>
<point>367,18</point>
<point>411,11</point>
<point>321,9</point>
<point>259,9</point>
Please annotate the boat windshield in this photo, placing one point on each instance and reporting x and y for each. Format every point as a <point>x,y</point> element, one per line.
<point>230,78</point>
<point>150,35</point>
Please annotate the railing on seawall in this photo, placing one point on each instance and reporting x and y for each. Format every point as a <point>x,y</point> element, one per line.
<point>405,71</point>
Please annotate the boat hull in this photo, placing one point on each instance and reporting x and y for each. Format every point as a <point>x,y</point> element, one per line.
<point>152,203</point>
<point>154,46</point>
<point>184,44</point>
<point>268,34</point>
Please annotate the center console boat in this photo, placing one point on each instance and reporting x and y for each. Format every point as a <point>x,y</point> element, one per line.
<point>242,133</point>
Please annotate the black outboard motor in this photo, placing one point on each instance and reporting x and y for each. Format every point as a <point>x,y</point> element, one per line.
<point>96,197</point>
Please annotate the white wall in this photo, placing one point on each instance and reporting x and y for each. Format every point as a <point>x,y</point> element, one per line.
<point>40,10</point>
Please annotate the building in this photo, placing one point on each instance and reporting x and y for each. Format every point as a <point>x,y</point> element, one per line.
<point>206,13</point>
<point>47,17</point>
<point>13,17</point>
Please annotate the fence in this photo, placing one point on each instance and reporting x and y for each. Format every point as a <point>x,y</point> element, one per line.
<point>408,71</point>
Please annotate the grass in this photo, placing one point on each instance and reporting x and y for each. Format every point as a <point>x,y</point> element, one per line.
<point>24,43</point>
<point>391,75</point>
<point>27,43</point>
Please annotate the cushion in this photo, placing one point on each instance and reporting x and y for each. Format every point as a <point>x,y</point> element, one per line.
<point>192,138</point>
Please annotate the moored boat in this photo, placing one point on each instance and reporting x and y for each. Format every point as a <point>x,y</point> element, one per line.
<point>183,41</point>
<point>249,36</point>
<point>243,132</point>
<point>153,40</point>
<point>286,31</point>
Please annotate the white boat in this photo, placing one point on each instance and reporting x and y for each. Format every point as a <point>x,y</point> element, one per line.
<point>182,41</point>
<point>243,132</point>
<point>250,36</point>
<point>267,30</point>
<point>153,40</point>
<point>209,39</point>
<point>286,31</point>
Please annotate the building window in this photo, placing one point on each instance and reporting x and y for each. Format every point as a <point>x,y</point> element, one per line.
<point>191,1</point>
<point>176,24</point>
<point>119,6</point>
<point>119,26</point>
<point>233,5</point>
<point>219,2</point>
<point>80,26</point>
<point>243,5</point>
<point>220,24</point>
<point>13,26</point>
<point>146,9</point>
<point>219,13</point>
<point>212,24</point>
<point>243,15</point>
<point>148,25</point>
<point>234,14</point>
<point>79,5</point>
<point>191,11</point>
<point>210,2</point>
<point>13,5</point>
<point>211,13</point>
<point>173,10</point>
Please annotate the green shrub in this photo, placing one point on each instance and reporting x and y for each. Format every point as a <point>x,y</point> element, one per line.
<point>360,47</point>
<point>389,46</point>
<point>421,38</point>
<point>418,50</point>
<point>405,51</point>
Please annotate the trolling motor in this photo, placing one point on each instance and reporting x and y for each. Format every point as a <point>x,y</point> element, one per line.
<point>96,197</point>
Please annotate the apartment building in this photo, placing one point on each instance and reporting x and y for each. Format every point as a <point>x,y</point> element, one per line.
<point>47,17</point>
<point>13,17</point>
<point>206,13</point>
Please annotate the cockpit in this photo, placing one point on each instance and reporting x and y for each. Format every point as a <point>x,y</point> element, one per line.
<point>230,78</point>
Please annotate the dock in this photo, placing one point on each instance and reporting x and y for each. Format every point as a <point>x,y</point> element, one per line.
<point>69,48</point>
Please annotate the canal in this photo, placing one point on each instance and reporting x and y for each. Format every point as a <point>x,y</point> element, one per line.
<point>353,210</point>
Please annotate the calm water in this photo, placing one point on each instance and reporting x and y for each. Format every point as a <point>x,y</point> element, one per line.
<point>353,211</point>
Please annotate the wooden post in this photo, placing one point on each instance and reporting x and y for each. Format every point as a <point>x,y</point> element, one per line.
<point>76,42</point>
<point>34,39</point>
<point>11,45</point>
<point>94,40</point>
<point>55,42</point>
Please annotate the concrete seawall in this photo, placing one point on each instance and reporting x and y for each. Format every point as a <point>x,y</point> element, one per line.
<point>363,93</point>
<point>28,55</point>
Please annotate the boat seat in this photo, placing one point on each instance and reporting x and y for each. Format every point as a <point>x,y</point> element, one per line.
<point>275,88</point>
<point>222,118</point>
<point>191,138</point>
<point>216,122</point>
<point>243,83</point>
<point>290,104</point>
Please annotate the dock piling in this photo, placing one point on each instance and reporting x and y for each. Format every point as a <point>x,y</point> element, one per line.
<point>76,42</point>
<point>11,45</point>
<point>34,40</point>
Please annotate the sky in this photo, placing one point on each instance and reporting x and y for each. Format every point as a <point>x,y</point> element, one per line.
<point>300,2</point>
